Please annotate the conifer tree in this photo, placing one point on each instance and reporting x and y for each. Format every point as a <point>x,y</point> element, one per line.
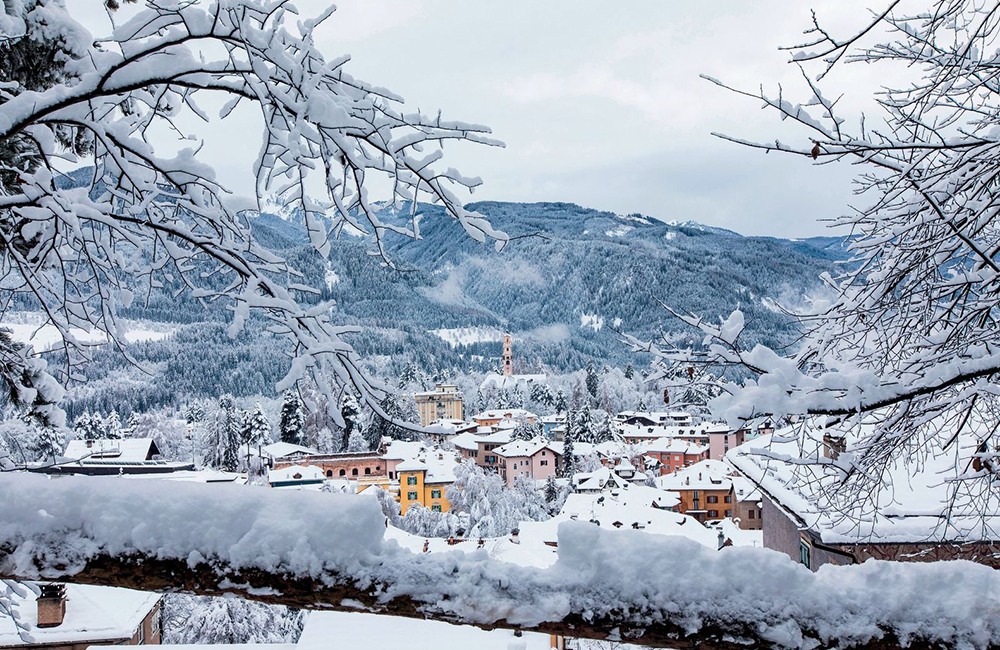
<point>113,426</point>
<point>629,371</point>
<point>560,403</point>
<point>349,411</point>
<point>592,381</point>
<point>292,418</point>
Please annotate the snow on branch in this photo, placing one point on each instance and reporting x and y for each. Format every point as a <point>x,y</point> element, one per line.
<point>328,551</point>
<point>150,220</point>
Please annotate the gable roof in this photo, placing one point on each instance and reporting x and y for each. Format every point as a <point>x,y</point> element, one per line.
<point>126,450</point>
<point>526,448</point>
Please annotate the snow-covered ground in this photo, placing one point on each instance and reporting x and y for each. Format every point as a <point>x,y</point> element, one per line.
<point>29,327</point>
<point>593,321</point>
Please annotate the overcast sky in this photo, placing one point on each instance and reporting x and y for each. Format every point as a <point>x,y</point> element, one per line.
<point>600,103</point>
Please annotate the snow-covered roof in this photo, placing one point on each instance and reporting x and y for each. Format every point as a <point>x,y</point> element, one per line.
<point>504,414</point>
<point>526,448</point>
<point>296,474</point>
<point>411,465</point>
<point>404,450</point>
<point>449,427</point>
<point>602,479</point>
<point>282,449</point>
<point>92,614</point>
<point>704,475</point>
<point>672,446</point>
<point>913,506</point>
<point>359,630</point>
<point>125,450</point>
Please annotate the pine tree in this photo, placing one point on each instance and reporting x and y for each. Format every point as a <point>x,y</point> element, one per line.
<point>223,437</point>
<point>350,412</point>
<point>551,490</point>
<point>194,413</point>
<point>583,427</point>
<point>397,407</point>
<point>292,418</point>
<point>569,458</point>
<point>629,371</point>
<point>526,430</point>
<point>592,380</point>
<point>47,443</point>
<point>83,427</point>
<point>132,426</point>
<point>113,426</point>
<point>357,443</point>
<point>560,404</point>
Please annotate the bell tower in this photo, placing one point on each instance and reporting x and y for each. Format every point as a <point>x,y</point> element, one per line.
<point>508,356</point>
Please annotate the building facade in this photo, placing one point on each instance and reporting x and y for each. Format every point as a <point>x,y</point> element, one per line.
<point>442,403</point>
<point>418,485</point>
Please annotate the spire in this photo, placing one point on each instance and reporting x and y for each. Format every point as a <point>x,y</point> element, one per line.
<point>508,356</point>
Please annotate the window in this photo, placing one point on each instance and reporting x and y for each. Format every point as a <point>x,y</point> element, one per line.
<point>411,480</point>
<point>713,499</point>
<point>391,475</point>
<point>436,507</point>
<point>435,494</point>
<point>329,473</point>
<point>155,624</point>
<point>713,513</point>
<point>368,471</point>
<point>729,513</point>
<point>412,496</point>
<point>142,634</point>
<point>752,515</point>
<point>343,472</point>
<point>805,554</point>
<point>543,463</point>
<point>728,498</point>
<point>354,472</point>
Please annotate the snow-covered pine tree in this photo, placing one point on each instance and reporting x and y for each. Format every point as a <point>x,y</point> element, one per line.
<point>584,428</point>
<point>195,412</point>
<point>113,426</point>
<point>569,458</point>
<point>132,425</point>
<point>83,427</point>
<point>350,412</point>
<point>222,438</point>
<point>401,408</point>
<point>629,371</point>
<point>48,444</point>
<point>292,418</point>
<point>593,381</point>
<point>551,490</point>
<point>357,443</point>
<point>206,621</point>
<point>526,430</point>
<point>560,401</point>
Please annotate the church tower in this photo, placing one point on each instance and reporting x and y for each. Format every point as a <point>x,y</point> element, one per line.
<point>508,356</point>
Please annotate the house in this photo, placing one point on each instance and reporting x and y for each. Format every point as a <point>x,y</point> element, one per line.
<point>671,455</point>
<point>605,478</point>
<point>480,446</point>
<point>442,403</point>
<point>806,514</point>
<point>296,476</point>
<point>282,451</point>
<point>112,457</point>
<point>721,439</point>
<point>552,422</point>
<point>349,465</point>
<point>532,459</point>
<point>639,430</point>
<point>73,617</point>
<point>494,417</point>
<point>748,506</point>
<point>705,490</point>
<point>425,483</point>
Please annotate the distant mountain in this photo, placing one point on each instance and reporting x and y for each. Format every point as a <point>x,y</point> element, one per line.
<point>572,277</point>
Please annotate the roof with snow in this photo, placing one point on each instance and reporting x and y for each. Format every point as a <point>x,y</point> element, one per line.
<point>526,448</point>
<point>504,414</point>
<point>295,475</point>
<point>283,449</point>
<point>411,465</point>
<point>510,381</point>
<point>93,614</point>
<point>126,450</point>
<point>914,504</point>
<point>359,630</point>
<point>672,446</point>
<point>704,475</point>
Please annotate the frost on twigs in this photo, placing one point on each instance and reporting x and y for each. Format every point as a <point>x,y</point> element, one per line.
<point>276,547</point>
<point>903,357</point>
<point>149,219</point>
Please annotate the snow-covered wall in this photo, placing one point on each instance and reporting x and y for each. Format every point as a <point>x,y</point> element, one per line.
<point>625,582</point>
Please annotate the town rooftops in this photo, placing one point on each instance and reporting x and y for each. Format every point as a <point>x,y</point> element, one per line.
<point>672,446</point>
<point>914,505</point>
<point>704,475</point>
<point>504,414</point>
<point>93,614</point>
<point>411,465</point>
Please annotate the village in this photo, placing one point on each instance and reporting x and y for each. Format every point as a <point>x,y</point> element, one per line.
<point>663,473</point>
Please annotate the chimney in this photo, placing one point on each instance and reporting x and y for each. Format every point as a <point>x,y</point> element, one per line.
<point>833,446</point>
<point>51,604</point>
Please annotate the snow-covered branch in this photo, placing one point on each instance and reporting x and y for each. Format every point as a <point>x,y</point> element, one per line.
<point>328,551</point>
<point>147,220</point>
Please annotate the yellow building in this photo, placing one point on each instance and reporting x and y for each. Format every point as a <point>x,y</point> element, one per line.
<point>418,485</point>
<point>442,403</point>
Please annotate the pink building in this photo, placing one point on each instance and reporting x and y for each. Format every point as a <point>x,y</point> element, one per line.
<point>721,439</point>
<point>533,459</point>
<point>673,455</point>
